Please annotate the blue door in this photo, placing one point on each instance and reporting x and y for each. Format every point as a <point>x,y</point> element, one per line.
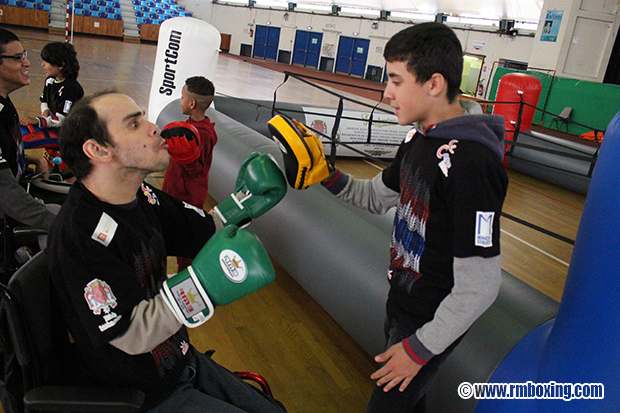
<point>266,42</point>
<point>260,42</point>
<point>345,55</point>
<point>301,47</point>
<point>352,56</point>
<point>360,56</point>
<point>307,48</point>
<point>314,50</point>
<point>273,41</point>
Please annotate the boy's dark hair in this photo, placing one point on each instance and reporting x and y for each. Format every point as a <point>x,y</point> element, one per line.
<point>82,123</point>
<point>200,85</point>
<point>429,48</point>
<point>62,55</point>
<point>202,88</point>
<point>6,37</point>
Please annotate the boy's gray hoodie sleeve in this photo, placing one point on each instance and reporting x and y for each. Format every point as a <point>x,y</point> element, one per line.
<point>369,194</point>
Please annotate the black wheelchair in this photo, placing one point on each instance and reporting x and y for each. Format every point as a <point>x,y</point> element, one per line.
<point>19,242</point>
<point>40,373</point>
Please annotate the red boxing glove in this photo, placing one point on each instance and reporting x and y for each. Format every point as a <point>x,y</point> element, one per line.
<point>183,141</point>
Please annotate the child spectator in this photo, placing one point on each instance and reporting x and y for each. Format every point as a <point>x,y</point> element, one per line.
<point>61,89</point>
<point>190,182</point>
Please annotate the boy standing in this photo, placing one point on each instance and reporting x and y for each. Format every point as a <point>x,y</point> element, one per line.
<point>448,185</point>
<point>189,182</point>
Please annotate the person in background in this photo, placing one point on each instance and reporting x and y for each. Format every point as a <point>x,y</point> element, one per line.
<point>15,201</point>
<point>60,92</point>
<point>188,178</point>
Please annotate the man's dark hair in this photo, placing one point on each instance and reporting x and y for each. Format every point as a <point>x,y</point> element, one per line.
<point>82,123</point>
<point>429,48</point>
<point>6,37</point>
<point>62,54</point>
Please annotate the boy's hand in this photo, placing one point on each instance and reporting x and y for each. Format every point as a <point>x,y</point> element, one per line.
<point>25,121</point>
<point>183,141</point>
<point>398,368</point>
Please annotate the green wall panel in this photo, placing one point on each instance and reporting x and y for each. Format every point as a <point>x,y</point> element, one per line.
<point>594,104</point>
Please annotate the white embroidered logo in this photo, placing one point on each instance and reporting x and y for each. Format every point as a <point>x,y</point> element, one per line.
<point>484,229</point>
<point>443,153</point>
<point>99,297</point>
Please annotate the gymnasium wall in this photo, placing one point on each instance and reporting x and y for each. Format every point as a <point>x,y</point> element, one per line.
<point>237,21</point>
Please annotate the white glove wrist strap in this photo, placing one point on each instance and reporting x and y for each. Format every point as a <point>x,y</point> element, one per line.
<point>193,313</point>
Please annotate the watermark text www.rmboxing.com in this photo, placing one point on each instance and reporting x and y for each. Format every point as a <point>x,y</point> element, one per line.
<point>530,390</point>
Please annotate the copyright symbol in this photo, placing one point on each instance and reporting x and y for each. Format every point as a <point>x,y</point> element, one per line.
<point>465,390</point>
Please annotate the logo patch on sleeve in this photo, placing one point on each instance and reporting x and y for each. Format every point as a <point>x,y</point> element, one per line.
<point>105,230</point>
<point>100,298</point>
<point>484,229</point>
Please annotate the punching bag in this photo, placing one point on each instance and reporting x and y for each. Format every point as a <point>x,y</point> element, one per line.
<point>580,345</point>
<point>186,47</point>
<point>513,87</point>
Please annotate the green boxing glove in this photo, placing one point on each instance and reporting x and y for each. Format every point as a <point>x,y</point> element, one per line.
<point>260,186</point>
<point>232,264</point>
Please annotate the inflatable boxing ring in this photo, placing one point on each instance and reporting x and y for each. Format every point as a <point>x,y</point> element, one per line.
<point>559,161</point>
<point>339,255</point>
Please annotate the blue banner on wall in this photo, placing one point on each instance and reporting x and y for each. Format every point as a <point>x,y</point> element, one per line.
<point>551,26</point>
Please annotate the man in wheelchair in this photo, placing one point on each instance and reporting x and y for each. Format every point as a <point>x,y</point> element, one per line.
<point>18,206</point>
<point>107,254</point>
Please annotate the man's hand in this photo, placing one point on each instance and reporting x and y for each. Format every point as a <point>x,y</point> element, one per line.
<point>398,368</point>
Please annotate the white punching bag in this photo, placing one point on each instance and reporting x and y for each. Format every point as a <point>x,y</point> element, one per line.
<point>186,47</point>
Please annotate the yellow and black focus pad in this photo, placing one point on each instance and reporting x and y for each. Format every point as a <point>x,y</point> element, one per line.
<point>304,158</point>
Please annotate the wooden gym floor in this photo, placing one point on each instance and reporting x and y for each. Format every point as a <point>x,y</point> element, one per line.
<point>280,331</point>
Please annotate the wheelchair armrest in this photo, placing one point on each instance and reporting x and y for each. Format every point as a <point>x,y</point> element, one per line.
<point>83,399</point>
<point>28,231</point>
<point>27,235</point>
<point>52,185</point>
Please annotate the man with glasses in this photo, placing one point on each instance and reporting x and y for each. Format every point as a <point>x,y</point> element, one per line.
<point>15,201</point>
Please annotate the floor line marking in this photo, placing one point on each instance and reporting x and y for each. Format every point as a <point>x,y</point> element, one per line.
<point>372,164</point>
<point>529,188</point>
<point>535,248</point>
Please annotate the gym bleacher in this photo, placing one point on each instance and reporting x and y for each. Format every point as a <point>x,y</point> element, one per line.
<point>97,8</point>
<point>31,4</point>
<point>148,12</point>
<point>155,12</point>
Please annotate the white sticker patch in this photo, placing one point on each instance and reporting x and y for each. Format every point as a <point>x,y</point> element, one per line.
<point>105,230</point>
<point>193,208</point>
<point>410,135</point>
<point>67,107</point>
<point>233,266</point>
<point>484,229</point>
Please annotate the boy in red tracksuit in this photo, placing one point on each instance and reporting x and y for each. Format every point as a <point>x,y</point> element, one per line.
<point>189,182</point>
